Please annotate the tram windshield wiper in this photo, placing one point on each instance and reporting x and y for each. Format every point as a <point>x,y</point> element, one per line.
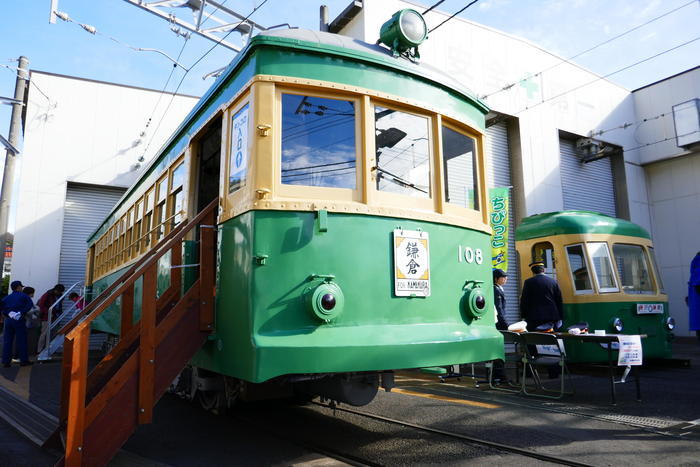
<point>398,180</point>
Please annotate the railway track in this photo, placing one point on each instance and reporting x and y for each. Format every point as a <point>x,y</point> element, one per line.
<point>308,443</point>
<point>459,436</point>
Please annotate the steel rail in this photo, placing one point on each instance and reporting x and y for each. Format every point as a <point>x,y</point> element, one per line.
<point>471,439</point>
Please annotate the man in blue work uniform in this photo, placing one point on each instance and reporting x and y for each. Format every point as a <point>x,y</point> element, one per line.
<point>14,307</point>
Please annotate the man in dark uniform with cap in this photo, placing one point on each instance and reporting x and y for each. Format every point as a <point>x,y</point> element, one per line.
<point>541,306</point>
<point>540,303</point>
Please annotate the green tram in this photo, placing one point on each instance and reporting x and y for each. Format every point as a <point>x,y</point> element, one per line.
<point>608,277</point>
<point>353,234</point>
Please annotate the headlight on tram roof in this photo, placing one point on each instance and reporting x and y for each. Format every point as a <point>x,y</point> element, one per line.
<point>670,323</point>
<point>617,325</point>
<point>405,30</point>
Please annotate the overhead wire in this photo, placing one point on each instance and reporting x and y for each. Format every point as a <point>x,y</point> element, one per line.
<point>659,141</point>
<point>609,74</point>
<point>435,5</point>
<point>568,60</point>
<point>626,125</point>
<point>460,11</point>
<point>188,69</point>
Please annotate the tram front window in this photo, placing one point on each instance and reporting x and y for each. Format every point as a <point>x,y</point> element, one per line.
<point>602,266</point>
<point>318,142</point>
<point>403,152</point>
<point>579,269</point>
<point>633,268</point>
<point>655,266</point>
<point>458,152</point>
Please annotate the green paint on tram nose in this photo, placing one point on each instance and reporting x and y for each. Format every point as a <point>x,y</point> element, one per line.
<point>265,326</point>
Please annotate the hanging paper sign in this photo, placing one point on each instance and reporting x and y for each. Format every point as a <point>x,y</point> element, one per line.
<point>498,219</point>
<point>411,263</point>
<point>630,350</point>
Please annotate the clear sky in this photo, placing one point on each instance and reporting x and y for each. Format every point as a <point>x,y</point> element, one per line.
<point>565,27</point>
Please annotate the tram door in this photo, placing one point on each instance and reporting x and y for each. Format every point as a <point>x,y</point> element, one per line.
<point>208,165</point>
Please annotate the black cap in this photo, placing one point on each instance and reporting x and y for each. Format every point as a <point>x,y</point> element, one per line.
<point>498,273</point>
<point>15,284</point>
<point>536,263</point>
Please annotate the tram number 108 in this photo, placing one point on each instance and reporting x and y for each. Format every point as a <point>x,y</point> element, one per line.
<point>470,255</point>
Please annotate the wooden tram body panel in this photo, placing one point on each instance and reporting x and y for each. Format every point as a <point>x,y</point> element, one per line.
<point>273,237</point>
<point>592,298</point>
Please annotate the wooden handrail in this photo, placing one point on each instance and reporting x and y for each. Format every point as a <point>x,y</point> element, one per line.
<point>139,269</point>
<point>134,268</point>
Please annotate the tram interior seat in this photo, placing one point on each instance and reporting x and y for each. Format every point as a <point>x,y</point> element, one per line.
<point>532,358</point>
<point>514,344</point>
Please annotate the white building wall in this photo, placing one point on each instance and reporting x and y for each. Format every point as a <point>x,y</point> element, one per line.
<point>673,175</point>
<point>87,132</point>
<point>566,97</point>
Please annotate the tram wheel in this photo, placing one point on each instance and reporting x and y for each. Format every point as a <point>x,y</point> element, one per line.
<point>212,401</point>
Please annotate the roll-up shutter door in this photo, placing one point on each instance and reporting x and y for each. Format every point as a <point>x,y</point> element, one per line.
<point>498,156</point>
<point>589,186</point>
<point>85,208</point>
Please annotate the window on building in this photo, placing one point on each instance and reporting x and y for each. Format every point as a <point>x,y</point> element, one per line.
<point>602,266</point>
<point>579,269</point>
<point>633,268</point>
<point>402,143</point>
<point>459,161</point>
<point>318,142</point>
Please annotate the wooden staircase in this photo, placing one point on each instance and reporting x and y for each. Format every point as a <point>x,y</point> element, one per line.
<point>101,408</point>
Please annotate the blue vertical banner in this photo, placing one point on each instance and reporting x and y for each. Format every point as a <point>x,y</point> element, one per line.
<point>498,219</point>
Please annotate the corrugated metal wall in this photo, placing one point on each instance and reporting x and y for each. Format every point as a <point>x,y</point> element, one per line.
<point>586,186</point>
<point>85,208</point>
<point>498,156</point>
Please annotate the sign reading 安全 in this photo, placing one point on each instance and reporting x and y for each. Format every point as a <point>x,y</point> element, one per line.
<point>649,308</point>
<point>411,263</point>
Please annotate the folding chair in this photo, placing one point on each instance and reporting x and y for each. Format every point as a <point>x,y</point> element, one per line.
<point>531,359</point>
<point>515,359</point>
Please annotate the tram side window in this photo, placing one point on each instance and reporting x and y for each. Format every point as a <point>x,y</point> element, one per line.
<point>633,269</point>
<point>459,159</point>
<point>655,266</point>
<point>318,142</point>
<point>403,152</point>
<point>602,266</point>
<point>147,217</point>
<point>579,269</point>
<point>160,209</point>
<point>177,203</point>
<point>544,252</point>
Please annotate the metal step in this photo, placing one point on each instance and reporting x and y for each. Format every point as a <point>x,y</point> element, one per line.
<point>34,423</point>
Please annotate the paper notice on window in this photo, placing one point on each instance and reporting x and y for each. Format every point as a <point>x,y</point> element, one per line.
<point>630,350</point>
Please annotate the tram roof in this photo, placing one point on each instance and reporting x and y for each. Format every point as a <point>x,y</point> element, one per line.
<point>576,222</point>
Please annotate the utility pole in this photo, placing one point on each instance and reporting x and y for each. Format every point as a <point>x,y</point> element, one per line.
<point>13,137</point>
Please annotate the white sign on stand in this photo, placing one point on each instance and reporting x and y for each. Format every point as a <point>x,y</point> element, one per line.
<point>630,350</point>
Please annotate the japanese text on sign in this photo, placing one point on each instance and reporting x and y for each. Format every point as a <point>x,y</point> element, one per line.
<point>411,263</point>
<point>630,350</point>
<point>239,150</point>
